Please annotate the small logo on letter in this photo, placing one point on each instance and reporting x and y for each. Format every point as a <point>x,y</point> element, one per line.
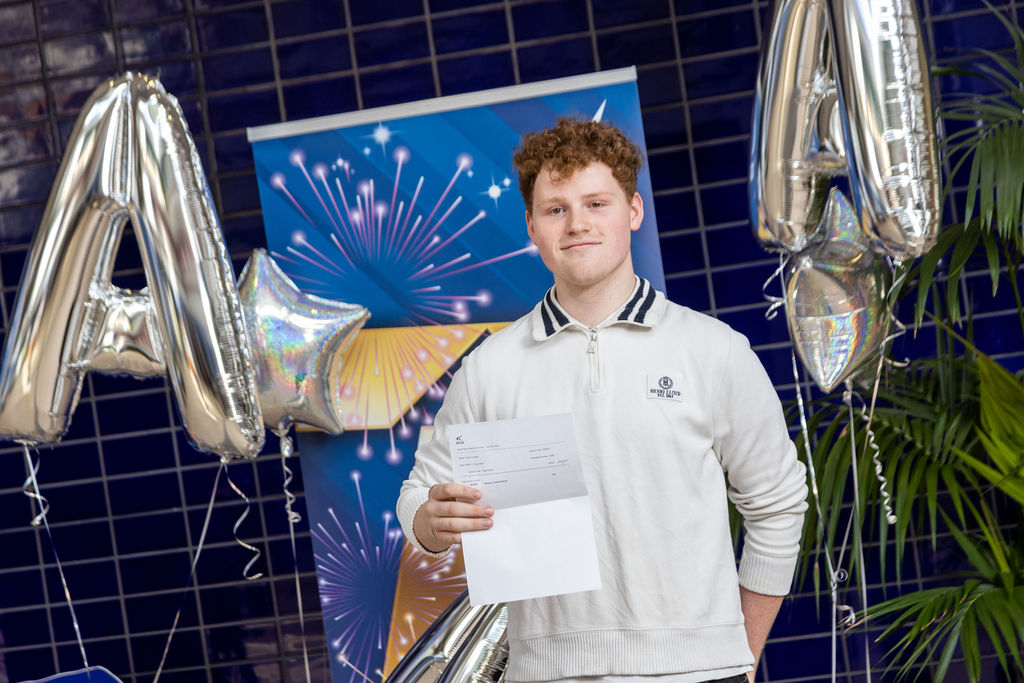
<point>665,382</point>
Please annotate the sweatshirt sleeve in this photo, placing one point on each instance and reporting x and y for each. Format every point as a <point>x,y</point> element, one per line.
<point>767,482</point>
<point>433,461</point>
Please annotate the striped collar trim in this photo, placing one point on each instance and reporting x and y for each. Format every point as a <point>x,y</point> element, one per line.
<point>642,308</point>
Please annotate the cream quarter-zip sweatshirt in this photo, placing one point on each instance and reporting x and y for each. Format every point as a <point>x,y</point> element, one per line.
<point>673,413</point>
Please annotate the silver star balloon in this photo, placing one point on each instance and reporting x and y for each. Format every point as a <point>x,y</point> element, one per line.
<point>835,296</point>
<point>298,340</point>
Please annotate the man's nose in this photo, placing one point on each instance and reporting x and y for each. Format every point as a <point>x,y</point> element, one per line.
<point>578,222</point>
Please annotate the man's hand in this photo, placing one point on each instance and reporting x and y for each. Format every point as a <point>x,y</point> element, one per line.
<point>441,520</point>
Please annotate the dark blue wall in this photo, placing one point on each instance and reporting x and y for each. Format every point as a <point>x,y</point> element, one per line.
<point>128,494</point>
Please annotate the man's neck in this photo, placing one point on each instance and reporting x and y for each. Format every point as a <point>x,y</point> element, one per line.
<point>590,305</point>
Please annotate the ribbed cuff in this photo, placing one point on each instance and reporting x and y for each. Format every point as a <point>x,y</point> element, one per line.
<point>765,574</point>
<point>408,504</point>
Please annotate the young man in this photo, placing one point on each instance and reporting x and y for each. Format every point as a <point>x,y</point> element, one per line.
<point>665,400</point>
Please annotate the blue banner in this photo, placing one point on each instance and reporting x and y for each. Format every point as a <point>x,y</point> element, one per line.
<point>413,212</point>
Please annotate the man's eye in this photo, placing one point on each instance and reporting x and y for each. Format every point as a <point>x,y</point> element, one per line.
<point>556,210</point>
<point>597,204</point>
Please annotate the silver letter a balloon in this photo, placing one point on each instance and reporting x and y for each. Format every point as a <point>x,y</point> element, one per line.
<point>130,159</point>
<point>881,132</point>
<point>885,93</point>
<point>790,166</point>
<point>835,300</point>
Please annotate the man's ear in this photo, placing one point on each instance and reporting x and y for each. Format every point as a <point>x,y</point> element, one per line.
<point>529,224</point>
<point>636,208</point>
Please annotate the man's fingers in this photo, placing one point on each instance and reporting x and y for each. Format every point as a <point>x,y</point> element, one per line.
<point>447,513</point>
<point>452,490</point>
<point>454,508</point>
<point>446,527</point>
<point>448,537</point>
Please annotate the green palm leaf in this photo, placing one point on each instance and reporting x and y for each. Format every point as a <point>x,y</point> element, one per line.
<point>988,601</point>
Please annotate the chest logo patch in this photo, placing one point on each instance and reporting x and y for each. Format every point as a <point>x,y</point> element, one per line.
<point>663,387</point>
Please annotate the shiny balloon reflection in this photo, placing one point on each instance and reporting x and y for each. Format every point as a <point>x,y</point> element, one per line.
<point>884,87</point>
<point>790,167</point>
<point>464,643</point>
<point>130,159</point>
<point>298,341</point>
<point>835,298</point>
<point>843,89</point>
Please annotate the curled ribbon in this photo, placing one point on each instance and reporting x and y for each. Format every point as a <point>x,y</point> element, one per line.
<point>868,413</point>
<point>777,302</point>
<point>287,450</point>
<point>851,618</point>
<point>866,417</point>
<point>31,489</point>
<point>238,523</point>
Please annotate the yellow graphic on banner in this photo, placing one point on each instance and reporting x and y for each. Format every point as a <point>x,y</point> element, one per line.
<point>387,370</point>
<point>425,588</point>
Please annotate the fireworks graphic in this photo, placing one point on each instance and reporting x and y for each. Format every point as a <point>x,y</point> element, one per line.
<point>407,251</point>
<point>356,572</point>
<point>377,594</point>
<point>409,248</point>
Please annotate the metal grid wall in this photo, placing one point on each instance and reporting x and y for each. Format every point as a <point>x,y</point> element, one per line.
<point>127,492</point>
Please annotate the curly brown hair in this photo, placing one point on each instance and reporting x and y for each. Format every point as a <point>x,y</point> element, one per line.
<point>572,144</point>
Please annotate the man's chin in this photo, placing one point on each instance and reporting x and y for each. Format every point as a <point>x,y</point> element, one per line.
<point>582,280</point>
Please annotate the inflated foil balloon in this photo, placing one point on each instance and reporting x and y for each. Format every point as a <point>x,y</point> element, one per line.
<point>882,77</point>
<point>835,301</point>
<point>122,338</point>
<point>130,159</point>
<point>463,636</point>
<point>484,654</point>
<point>298,341</point>
<point>794,148</point>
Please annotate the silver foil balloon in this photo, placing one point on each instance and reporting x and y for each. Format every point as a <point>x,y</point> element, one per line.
<point>120,335</point>
<point>130,158</point>
<point>298,341</point>
<point>789,166</point>
<point>484,654</point>
<point>835,298</point>
<point>882,76</point>
<point>830,130</point>
<point>428,658</point>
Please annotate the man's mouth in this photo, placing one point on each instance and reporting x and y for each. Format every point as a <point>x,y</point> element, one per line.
<point>579,245</point>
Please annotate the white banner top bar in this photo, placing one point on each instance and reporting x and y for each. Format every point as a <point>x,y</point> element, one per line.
<point>440,104</point>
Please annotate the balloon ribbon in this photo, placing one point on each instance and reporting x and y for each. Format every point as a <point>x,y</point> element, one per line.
<point>238,523</point>
<point>31,489</point>
<point>834,577</point>
<point>856,514</point>
<point>192,572</point>
<point>287,450</point>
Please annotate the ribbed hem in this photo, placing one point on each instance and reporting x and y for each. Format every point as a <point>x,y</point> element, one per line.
<point>407,507</point>
<point>621,652</point>
<point>765,574</point>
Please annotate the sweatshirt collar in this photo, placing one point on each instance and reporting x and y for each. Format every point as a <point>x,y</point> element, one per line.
<point>642,308</point>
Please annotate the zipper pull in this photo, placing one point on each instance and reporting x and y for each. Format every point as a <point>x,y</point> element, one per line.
<point>592,347</point>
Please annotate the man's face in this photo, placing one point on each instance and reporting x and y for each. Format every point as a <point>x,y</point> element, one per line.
<point>581,225</point>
